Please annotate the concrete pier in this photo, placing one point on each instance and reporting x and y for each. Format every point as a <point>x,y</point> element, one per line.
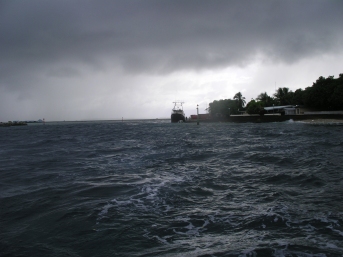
<point>272,118</point>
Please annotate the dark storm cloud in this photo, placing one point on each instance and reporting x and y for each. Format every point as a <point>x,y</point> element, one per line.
<point>163,36</point>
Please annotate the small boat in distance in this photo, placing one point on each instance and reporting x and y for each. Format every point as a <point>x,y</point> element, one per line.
<point>178,114</point>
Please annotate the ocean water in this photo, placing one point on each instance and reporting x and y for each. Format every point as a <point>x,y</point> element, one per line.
<point>152,188</point>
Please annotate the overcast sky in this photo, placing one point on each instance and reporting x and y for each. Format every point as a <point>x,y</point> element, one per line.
<point>81,60</point>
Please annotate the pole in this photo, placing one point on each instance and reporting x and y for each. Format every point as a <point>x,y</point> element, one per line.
<point>197,114</point>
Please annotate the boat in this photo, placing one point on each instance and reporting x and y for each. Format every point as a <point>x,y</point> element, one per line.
<point>177,114</point>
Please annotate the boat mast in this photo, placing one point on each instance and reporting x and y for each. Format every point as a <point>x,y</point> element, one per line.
<point>178,102</point>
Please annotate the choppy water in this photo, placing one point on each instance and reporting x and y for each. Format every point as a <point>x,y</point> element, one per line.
<point>147,188</point>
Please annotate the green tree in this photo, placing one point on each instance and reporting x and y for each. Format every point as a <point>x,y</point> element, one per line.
<point>325,94</point>
<point>265,99</point>
<point>283,96</point>
<point>240,100</point>
<point>298,97</point>
<point>223,108</point>
<point>255,107</point>
<point>337,98</point>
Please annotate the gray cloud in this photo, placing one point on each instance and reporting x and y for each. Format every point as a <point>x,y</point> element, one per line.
<point>164,36</point>
<point>71,39</point>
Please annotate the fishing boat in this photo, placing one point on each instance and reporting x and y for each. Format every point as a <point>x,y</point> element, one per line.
<point>177,114</point>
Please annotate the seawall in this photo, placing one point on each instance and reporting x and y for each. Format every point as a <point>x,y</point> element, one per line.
<point>272,118</point>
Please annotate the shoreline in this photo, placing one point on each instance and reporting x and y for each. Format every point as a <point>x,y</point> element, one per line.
<point>12,124</point>
<point>323,121</point>
<point>311,118</point>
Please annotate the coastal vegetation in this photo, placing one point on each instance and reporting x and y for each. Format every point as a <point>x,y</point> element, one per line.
<point>10,123</point>
<point>326,94</point>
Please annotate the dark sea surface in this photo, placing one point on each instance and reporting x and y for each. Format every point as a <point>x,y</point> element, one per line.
<point>152,188</point>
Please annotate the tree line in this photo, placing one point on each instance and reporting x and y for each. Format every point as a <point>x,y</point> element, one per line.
<point>226,107</point>
<point>326,94</point>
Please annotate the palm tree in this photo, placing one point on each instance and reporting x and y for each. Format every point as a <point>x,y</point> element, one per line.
<point>282,95</point>
<point>240,99</point>
<point>265,99</point>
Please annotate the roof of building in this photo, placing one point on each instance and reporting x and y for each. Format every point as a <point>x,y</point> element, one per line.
<point>270,108</point>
